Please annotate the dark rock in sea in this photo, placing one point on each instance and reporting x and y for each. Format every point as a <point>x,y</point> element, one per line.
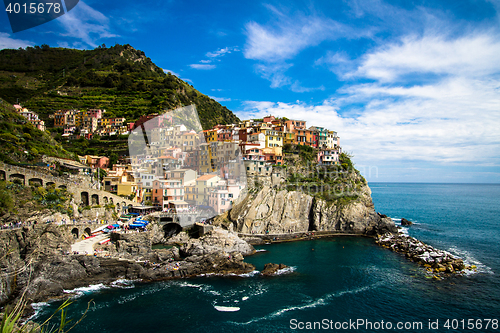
<point>406,222</point>
<point>271,269</point>
<point>437,262</point>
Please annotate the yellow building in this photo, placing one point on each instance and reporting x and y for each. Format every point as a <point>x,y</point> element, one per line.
<point>190,192</point>
<point>79,118</point>
<point>189,141</point>
<point>274,138</point>
<point>127,189</point>
<point>211,135</point>
<point>205,157</point>
<point>203,185</point>
<point>289,138</point>
<point>103,122</point>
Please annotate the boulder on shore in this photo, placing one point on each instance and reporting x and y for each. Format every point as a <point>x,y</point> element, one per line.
<point>215,240</point>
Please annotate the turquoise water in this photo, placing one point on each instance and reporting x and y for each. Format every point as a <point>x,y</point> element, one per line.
<point>333,280</point>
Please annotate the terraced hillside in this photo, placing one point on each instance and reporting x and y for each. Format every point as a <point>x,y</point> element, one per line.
<point>119,79</point>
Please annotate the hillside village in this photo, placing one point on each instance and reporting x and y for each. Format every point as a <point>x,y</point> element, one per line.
<point>183,168</point>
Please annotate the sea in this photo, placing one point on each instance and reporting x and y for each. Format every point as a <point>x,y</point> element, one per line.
<point>335,284</point>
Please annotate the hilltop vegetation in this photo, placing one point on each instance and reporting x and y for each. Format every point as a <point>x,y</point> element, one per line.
<point>119,79</point>
<point>339,184</point>
<point>21,142</point>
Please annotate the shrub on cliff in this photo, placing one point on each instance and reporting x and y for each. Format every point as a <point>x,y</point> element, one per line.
<point>6,201</point>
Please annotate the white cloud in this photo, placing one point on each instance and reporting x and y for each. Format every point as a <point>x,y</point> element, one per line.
<point>284,38</point>
<point>6,42</point>
<point>297,87</point>
<point>221,52</point>
<point>274,73</point>
<point>471,55</point>
<point>220,99</point>
<point>338,62</point>
<point>86,24</point>
<point>171,72</point>
<point>289,36</point>
<point>402,131</point>
<point>202,66</point>
<point>453,118</point>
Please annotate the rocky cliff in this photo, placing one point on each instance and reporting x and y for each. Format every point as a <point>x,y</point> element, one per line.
<point>308,198</point>
<point>35,261</point>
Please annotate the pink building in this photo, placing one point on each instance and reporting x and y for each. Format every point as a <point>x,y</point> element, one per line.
<point>95,113</point>
<point>221,197</point>
<point>268,119</point>
<point>94,162</point>
<point>329,156</point>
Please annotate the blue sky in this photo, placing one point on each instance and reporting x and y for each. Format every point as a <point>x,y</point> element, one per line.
<point>412,87</point>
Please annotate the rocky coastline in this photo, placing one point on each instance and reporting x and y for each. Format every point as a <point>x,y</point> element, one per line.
<point>437,263</point>
<point>37,264</point>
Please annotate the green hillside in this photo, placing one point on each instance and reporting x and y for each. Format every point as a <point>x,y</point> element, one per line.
<point>119,79</point>
<point>21,142</point>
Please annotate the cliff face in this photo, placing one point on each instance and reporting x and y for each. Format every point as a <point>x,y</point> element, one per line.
<point>339,203</point>
<point>281,211</point>
<point>22,252</point>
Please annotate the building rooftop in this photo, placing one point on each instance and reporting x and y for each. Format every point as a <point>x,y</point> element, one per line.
<point>206,177</point>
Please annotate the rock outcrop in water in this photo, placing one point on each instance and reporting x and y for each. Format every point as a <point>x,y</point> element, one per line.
<point>272,269</point>
<point>436,261</point>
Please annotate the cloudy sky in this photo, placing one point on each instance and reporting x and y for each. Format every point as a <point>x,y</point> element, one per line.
<point>412,87</point>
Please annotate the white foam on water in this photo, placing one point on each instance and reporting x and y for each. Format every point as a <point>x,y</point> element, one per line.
<point>37,307</point>
<point>202,287</point>
<point>152,288</point>
<point>312,304</point>
<point>123,284</point>
<point>252,273</point>
<point>187,284</point>
<point>126,299</point>
<point>226,308</point>
<point>244,298</point>
<point>470,260</point>
<point>403,231</point>
<point>287,270</point>
<point>261,250</point>
<point>86,290</point>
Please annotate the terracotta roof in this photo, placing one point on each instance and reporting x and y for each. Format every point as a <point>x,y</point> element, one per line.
<point>206,177</point>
